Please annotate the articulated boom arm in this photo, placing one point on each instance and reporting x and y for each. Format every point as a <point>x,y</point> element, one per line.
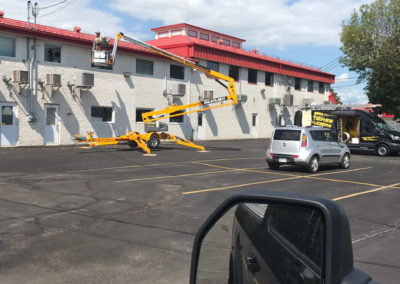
<point>201,105</point>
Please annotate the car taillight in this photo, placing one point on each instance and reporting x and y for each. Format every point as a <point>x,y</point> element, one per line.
<point>295,156</point>
<point>304,141</point>
<point>271,154</point>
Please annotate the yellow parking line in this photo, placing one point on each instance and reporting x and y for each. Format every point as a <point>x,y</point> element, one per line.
<point>365,192</point>
<point>239,185</point>
<point>164,164</point>
<point>344,171</point>
<point>343,181</point>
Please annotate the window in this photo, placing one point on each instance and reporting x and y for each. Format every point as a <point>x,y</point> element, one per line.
<point>6,115</point>
<point>269,78</point>
<point>213,65</point>
<point>252,78</point>
<point>163,34</point>
<point>52,53</point>
<point>367,128</point>
<point>192,33</point>
<point>325,136</point>
<point>7,46</point>
<point>176,32</point>
<point>297,83</point>
<point>177,119</point>
<point>234,72</point>
<point>288,135</point>
<point>226,42</point>
<point>310,87</point>
<point>102,114</point>
<point>214,38</point>
<point>299,226</point>
<point>321,87</point>
<point>139,112</point>
<point>144,66</point>
<point>177,72</point>
<point>235,44</point>
<point>204,36</point>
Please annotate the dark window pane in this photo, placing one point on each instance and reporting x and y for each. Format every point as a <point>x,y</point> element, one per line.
<point>177,72</point>
<point>200,119</point>
<point>290,135</point>
<point>252,78</point>
<point>269,78</point>
<point>103,114</point>
<point>178,119</point>
<point>321,87</point>
<point>234,72</point>
<point>310,87</point>
<point>192,33</point>
<point>214,38</point>
<point>52,53</point>
<point>297,83</point>
<point>213,65</point>
<point>139,112</point>
<point>6,115</point>
<point>51,116</point>
<point>7,46</point>
<point>317,135</point>
<point>204,36</point>
<point>144,67</point>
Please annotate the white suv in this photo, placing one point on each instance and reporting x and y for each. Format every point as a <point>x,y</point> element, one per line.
<point>306,146</point>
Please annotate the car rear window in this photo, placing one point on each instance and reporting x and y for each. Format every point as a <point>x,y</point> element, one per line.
<point>285,134</point>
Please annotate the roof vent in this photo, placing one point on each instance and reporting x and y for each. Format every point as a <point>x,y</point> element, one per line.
<point>77,29</point>
<point>1,14</point>
<point>255,50</point>
<point>219,41</point>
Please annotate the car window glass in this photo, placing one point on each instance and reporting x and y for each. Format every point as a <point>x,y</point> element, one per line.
<point>367,127</point>
<point>288,135</point>
<point>317,135</point>
<point>300,227</point>
<point>329,136</point>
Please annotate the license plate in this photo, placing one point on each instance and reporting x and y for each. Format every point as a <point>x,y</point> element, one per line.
<point>282,160</point>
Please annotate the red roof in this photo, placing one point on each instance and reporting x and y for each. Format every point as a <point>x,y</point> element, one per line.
<point>185,46</point>
<point>332,98</point>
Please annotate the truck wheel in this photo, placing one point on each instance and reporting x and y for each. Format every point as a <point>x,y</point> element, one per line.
<point>382,150</point>
<point>153,142</point>
<point>345,163</point>
<point>313,166</point>
<point>273,165</point>
<point>132,143</point>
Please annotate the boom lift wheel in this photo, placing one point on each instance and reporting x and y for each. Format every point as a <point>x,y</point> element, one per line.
<point>153,142</point>
<point>132,144</point>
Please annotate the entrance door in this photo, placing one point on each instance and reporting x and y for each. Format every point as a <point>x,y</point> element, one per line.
<point>254,127</point>
<point>200,126</point>
<point>8,124</point>
<point>51,131</point>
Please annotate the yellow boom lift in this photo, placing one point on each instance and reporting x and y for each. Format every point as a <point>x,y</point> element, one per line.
<point>154,128</point>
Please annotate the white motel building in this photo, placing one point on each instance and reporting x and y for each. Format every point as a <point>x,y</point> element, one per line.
<point>49,92</point>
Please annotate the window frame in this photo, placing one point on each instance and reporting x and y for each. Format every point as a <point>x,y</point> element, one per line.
<point>176,65</point>
<point>44,53</point>
<point>96,121</point>
<point>204,36</point>
<point>248,76</point>
<point>310,86</point>
<point>297,81</point>
<point>238,72</point>
<point>145,109</point>
<point>14,46</point>
<point>181,117</point>
<point>210,63</point>
<point>321,87</point>
<point>144,60</point>
<point>271,78</point>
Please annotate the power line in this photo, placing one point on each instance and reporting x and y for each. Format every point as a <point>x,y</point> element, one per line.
<point>333,66</point>
<point>50,6</point>
<point>344,86</point>
<point>60,8</point>
<point>329,63</point>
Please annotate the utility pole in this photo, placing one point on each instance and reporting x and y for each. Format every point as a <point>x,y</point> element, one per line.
<point>35,12</point>
<point>29,14</point>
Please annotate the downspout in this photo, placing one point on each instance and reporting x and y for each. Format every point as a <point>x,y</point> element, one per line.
<point>189,133</point>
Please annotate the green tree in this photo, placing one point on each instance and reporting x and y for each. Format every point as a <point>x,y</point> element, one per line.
<point>371,47</point>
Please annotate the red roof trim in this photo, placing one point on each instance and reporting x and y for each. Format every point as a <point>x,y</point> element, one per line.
<point>181,25</point>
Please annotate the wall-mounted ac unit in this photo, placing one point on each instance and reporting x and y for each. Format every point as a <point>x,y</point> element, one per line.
<point>20,77</point>
<point>208,95</point>
<point>53,80</point>
<point>85,80</point>
<point>308,101</point>
<point>178,90</point>
<point>242,98</point>
<point>274,101</point>
<point>327,102</point>
<point>288,100</point>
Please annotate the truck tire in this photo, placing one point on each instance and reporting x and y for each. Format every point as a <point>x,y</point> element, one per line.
<point>153,142</point>
<point>132,143</point>
<point>273,165</point>
<point>382,150</point>
<point>313,166</point>
<point>345,163</point>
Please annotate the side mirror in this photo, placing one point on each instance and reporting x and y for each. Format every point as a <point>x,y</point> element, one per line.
<point>269,237</point>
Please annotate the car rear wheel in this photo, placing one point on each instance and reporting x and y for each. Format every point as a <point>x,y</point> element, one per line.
<point>313,167</point>
<point>273,165</point>
<point>382,150</point>
<point>153,142</point>
<point>345,163</point>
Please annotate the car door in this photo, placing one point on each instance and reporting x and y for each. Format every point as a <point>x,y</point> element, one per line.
<point>321,146</point>
<point>335,148</point>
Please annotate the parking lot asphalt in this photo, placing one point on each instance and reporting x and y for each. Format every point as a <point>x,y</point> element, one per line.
<point>112,215</point>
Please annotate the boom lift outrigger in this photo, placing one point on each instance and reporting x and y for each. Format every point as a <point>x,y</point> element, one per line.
<point>151,119</point>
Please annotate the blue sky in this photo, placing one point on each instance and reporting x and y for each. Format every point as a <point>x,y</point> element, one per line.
<point>304,31</point>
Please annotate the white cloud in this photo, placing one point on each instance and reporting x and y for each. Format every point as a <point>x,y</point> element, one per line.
<point>273,23</point>
<point>352,95</point>
<point>342,77</point>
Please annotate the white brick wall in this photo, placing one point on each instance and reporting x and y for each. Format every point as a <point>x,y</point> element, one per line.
<point>112,89</point>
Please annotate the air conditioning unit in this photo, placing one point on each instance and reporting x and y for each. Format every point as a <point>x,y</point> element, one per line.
<point>308,101</point>
<point>208,95</point>
<point>288,100</point>
<point>274,101</point>
<point>53,80</point>
<point>327,102</point>
<point>242,98</point>
<point>85,80</point>
<point>20,77</point>
<point>178,90</point>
